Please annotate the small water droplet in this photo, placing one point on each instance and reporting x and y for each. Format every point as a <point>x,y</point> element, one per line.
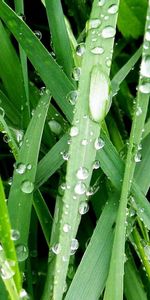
<point>84,142</point>
<point>108,32</point>
<point>74,246</point>
<point>2,112</point>
<point>82,173</point>
<point>55,127</point>
<point>80,49</point>
<point>38,34</point>
<point>108,62</point>
<point>147,35</point>
<point>138,111</point>
<point>74,131</point>
<point>96,164</point>
<point>23,295</point>
<point>6,138</point>
<point>137,157</point>
<point>97,50</point>
<point>29,166</point>
<point>15,234</point>
<point>147,251</point>
<point>99,144</point>
<point>65,155</point>
<point>5,270</point>
<point>72,97</point>
<point>66,228</point>
<point>22,252</point>
<point>56,249</point>
<point>22,17</point>
<point>27,187</point>
<point>145,88</point>
<point>94,23</point>
<point>83,208</point>
<point>76,73</point>
<point>80,188</point>
<point>113,9</point>
<point>20,168</point>
<point>145,66</point>
<point>101,2</point>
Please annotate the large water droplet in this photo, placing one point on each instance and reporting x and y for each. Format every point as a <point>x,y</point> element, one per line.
<point>80,49</point>
<point>66,228</point>
<point>15,234</point>
<point>76,73</point>
<point>145,66</point>
<point>97,50</point>
<point>113,9</point>
<point>74,131</point>
<point>99,144</point>
<point>20,168</point>
<point>55,127</point>
<point>72,97</point>
<point>22,252</point>
<point>145,88</point>
<point>108,32</point>
<point>80,188</point>
<point>56,248</point>
<point>94,23</point>
<point>27,187</point>
<point>82,173</point>
<point>83,208</point>
<point>2,112</point>
<point>74,246</point>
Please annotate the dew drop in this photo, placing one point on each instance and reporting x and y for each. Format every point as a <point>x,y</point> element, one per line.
<point>72,97</point>
<point>147,35</point>
<point>22,17</point>
<point>82,173</point>
<point>2,112</point>
<point>147,251</point>
<point>15,234</point>
<point>84,142</point>
<point>65,155</point>
<point>23,295</point>
<point>94,23</point>
<point>138,111</point>
<point>80,188</point>
<point>38,34</point>
<point>66,228</point>
<point>29,166</point>
<point>55,127</point>
<point>97,50</point>
<point>145,66</point>
<point>99,144</point>
<point>101,2</point>
<point>20,168</point>
<point>113,9</point>
<point>6,138</point>
<point>5,271</point>
<point>83,208</point>
<point>74,246</point>
<point>74,131</point>
<point>80,49</point>
<point>108,32</point>
<point>96,164</point>
<point>145,88</point>
<point>137,157</point>
<point>76,73</point>
<point>27,187</point>
<point>22,252</point>
<point>56,249</point>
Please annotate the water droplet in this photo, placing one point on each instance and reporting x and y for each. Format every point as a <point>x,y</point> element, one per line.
<point>108,32</point>
<point>74,131</point>
<point>72,97</point>
<point>29,166</point>
<point>83,208</point>
<point>113,9</point>
<point>23,295</point>
<point>76,73</point>
<point>56,249</point>
<point>22,17</point>
<point>38,34</point>
<point>5,270</point>
<point>74,246</point>
<point>138,111</point>
<point>145,66</point>
<point>80,188</point>
<point>22,252</point>
<point>97,50</point>
<point>99,144</point>
<point>6,138</point>
<point>147,35</point>
<point>20,168</point>
<point>137,157</point>
<point>101,2</point>
<point>82,173</point>
<point>66,228</point>
<point>108,62</point>
<point>2,112</point>
<point>84,142</point>
<point>42,90</point>
<point>94,23</point>
<point>80,49</point>
<point>55,127</point>
<point>145,88</point>
<point>96,164</point>
<point>15,234</point>
<point>27,187</point>
<point>65,155</point>
<point>147,251</point>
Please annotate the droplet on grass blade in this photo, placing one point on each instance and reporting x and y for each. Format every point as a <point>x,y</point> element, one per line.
<point>80,188</point>
<point>93,23</point>
<point>23,295</point>
<point>55,127</point>
<point>145,88</point>
<point>74,246</point>
<point>56,249</point>
<point>15,234</point>
<point>74,131</point>
<point>99,144</point>
<point>27,187</point>
<point>101,2</point>
<point>108,32</point>
<point>82,173</point>
<point>80,49</point>
<point>97,50</point>
<point>66,228</point>
<point>2,112</point>
<point>145,66</point>
<point>113,9</point>
<point>22,252</point>
<point>38,34</point>
<point>76,73</point>
<point>72,97</point>
<point>20,168</point>
<point>83,208</point>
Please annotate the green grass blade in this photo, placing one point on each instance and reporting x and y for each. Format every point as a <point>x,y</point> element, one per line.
<point>5,237</point>
<point>52,75</point>
<point>21,193</point>
<point>114,285</point>
<point>84,155</point>
<point>60,39</point>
